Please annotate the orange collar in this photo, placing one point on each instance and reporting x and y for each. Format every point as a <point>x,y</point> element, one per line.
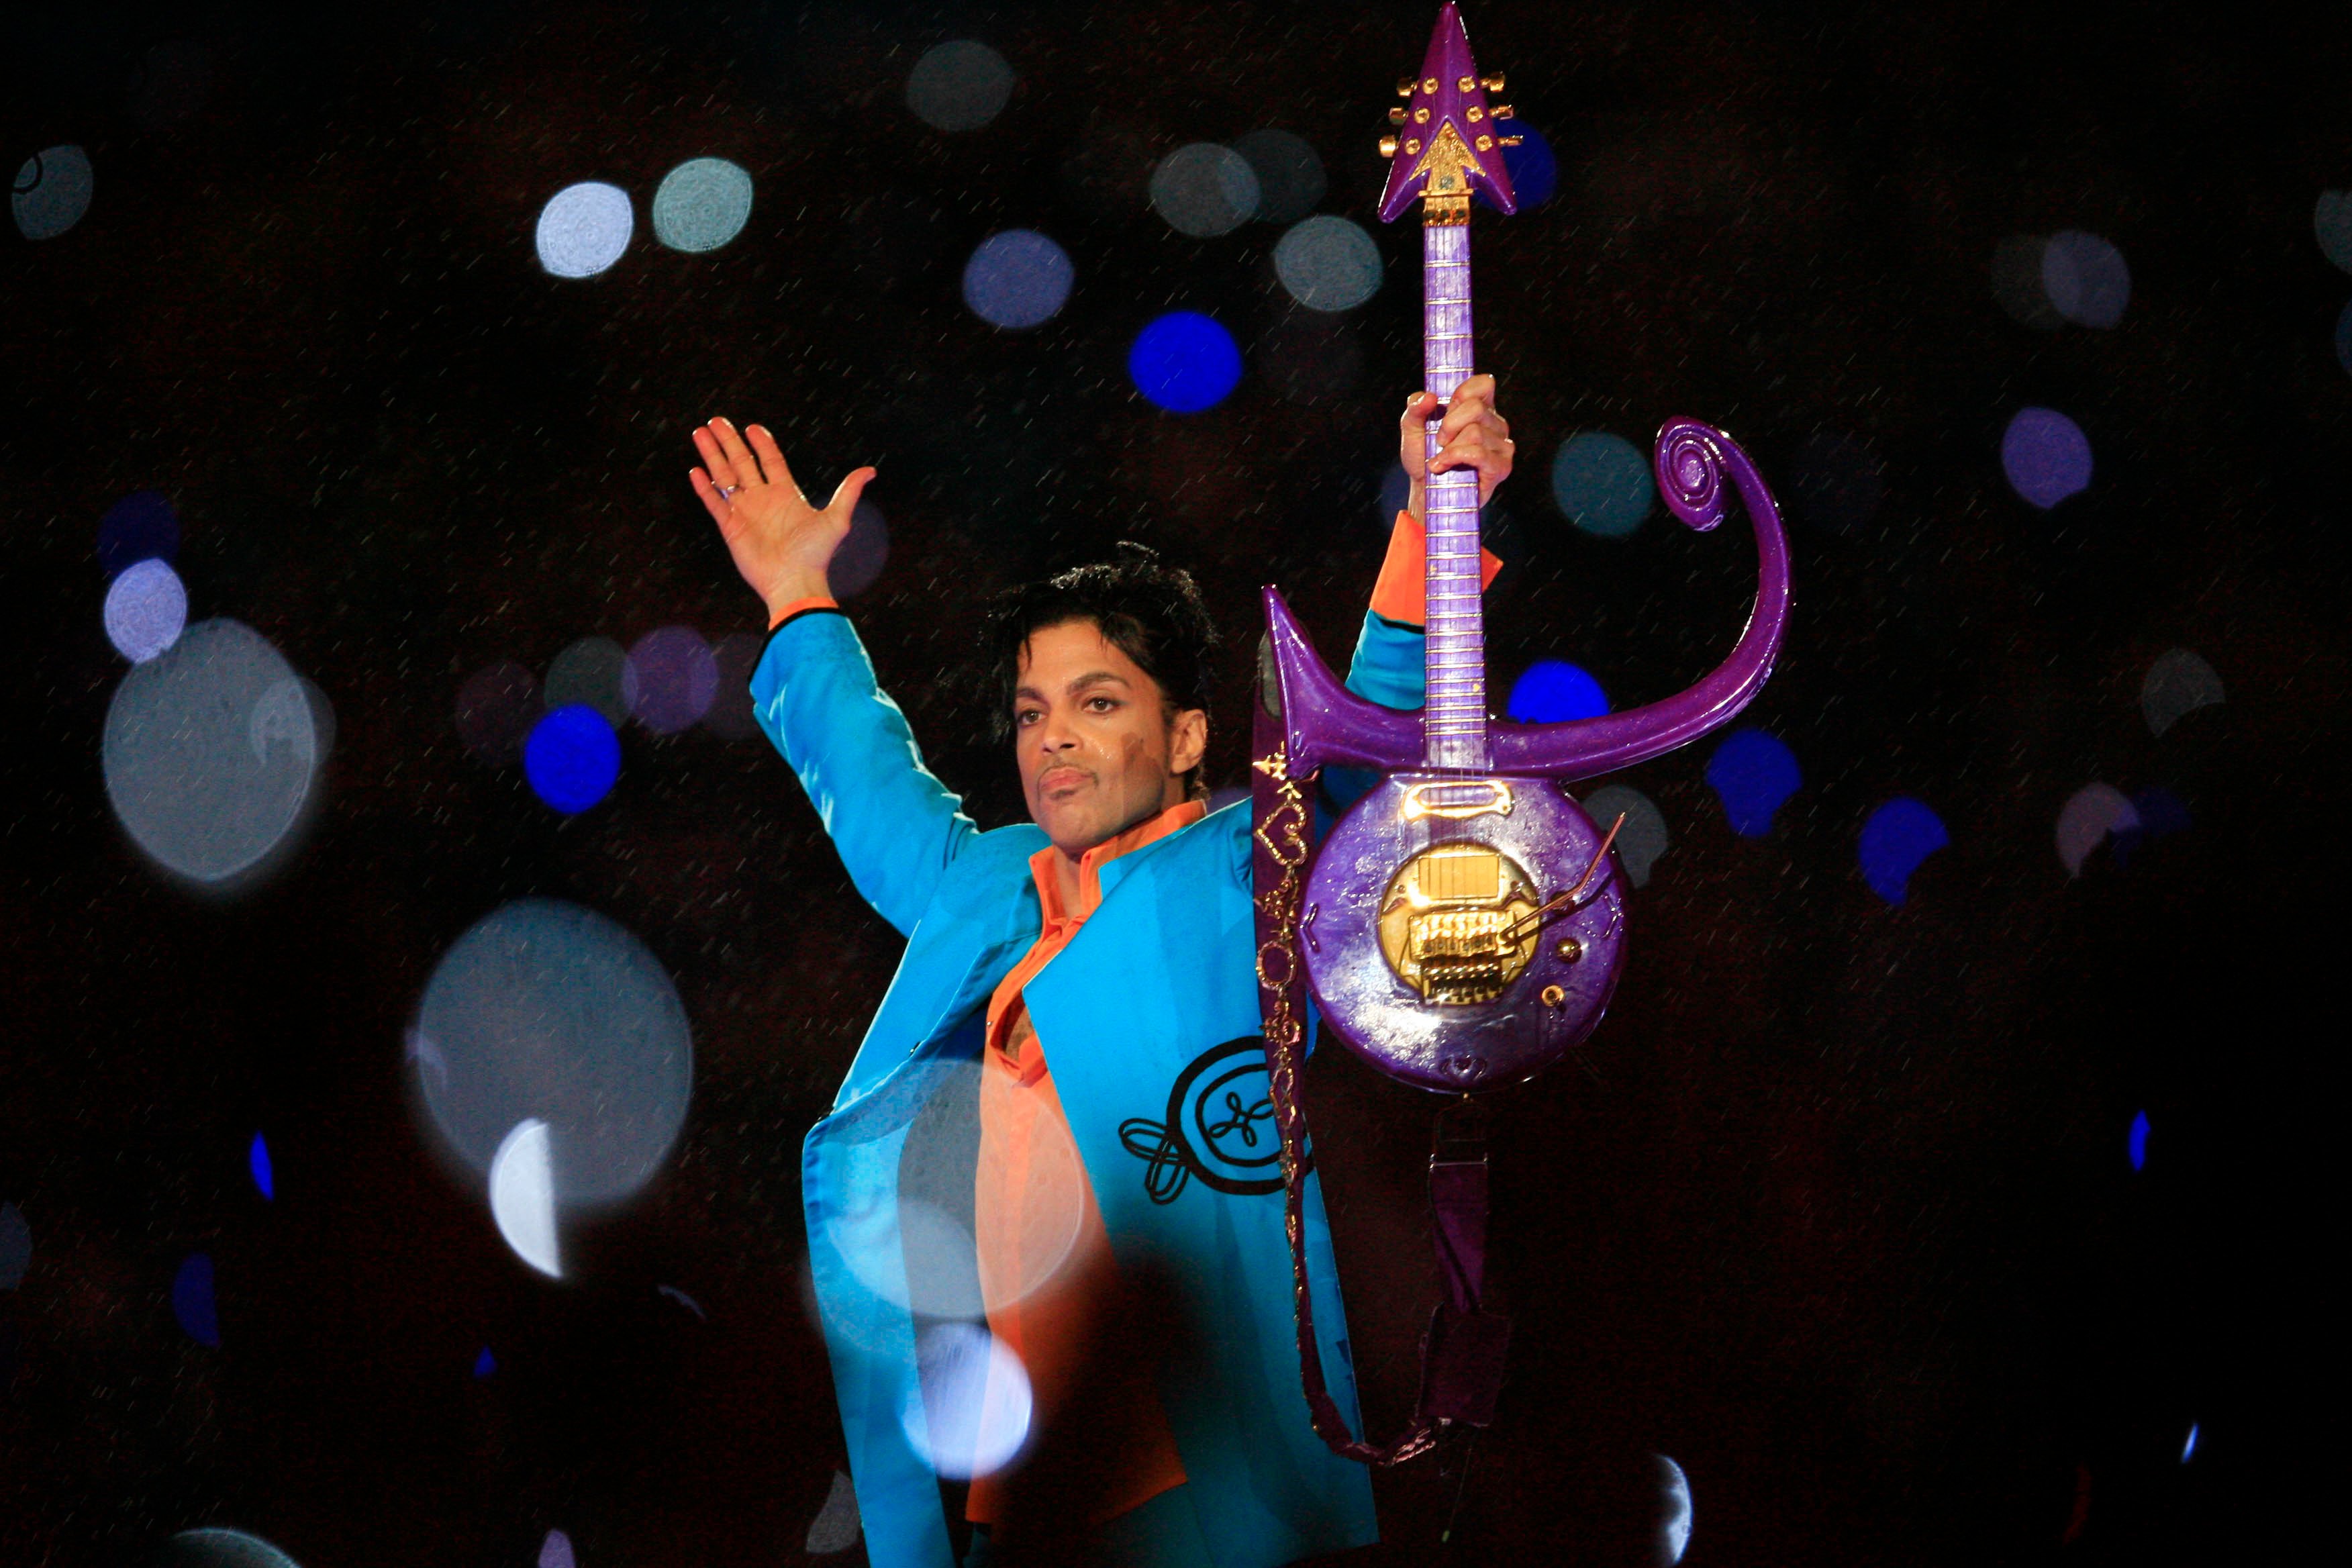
<point>1091,864</point>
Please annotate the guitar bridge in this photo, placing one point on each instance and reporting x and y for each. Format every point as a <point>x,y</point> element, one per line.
<point>1451,923</point>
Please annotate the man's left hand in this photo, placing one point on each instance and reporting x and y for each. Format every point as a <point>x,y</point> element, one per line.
<point>1473,436</point>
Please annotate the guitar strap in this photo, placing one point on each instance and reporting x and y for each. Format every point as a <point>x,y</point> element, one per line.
<point>1461,1353</point>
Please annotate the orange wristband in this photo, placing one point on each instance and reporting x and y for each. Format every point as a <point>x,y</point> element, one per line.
<point>814,602</point>
<point>1398,595</point>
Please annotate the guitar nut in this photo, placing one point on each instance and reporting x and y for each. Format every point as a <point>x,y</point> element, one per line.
<point>1553,995</point>
<point>1569,950</point>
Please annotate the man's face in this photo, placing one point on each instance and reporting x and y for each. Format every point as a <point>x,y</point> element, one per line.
<point>1097,750</point>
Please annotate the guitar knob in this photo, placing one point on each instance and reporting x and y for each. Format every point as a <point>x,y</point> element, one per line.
<point>1501,112</point>
<point>1396,115</point>
<point>1569,950</point>
<point>1388,146</point>
<point>1492,83</point>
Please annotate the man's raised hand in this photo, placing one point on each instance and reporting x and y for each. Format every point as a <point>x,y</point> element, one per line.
<point>1473,436</point>
<point>781,545</point>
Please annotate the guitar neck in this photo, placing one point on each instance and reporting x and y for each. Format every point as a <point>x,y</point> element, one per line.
<point>1453,718</point>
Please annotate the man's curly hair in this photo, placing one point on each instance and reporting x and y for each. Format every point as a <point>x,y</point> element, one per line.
<point>1151,613</point>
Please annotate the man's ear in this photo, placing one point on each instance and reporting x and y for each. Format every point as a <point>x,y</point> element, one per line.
<point>1188,740</point>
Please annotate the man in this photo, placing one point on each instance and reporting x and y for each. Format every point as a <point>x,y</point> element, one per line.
<point>1057,1120</point>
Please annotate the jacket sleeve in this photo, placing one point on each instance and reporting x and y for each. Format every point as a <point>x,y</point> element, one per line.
<point>897,828</point>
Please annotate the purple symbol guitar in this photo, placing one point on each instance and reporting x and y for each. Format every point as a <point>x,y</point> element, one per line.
<point>1462,926</point>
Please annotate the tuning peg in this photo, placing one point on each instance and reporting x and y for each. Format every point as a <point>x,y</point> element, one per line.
<point>1405,85</point>
<point>1396,115</point>
<point>1492,83</point>
<point>1388,146</point>
<point>1502,111</point>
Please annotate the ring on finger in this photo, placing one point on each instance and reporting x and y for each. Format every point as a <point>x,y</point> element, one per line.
<point>727,491</point>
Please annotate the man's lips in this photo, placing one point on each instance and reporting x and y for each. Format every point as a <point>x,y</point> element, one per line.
<point>1057,781</point>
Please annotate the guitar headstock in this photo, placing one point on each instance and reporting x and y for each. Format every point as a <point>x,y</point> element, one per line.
<point>1449,140</point>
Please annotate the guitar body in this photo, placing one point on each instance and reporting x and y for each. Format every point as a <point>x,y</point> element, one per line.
<point>1424,937</point>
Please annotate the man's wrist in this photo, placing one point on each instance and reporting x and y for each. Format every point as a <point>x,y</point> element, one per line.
<point>798,590</point>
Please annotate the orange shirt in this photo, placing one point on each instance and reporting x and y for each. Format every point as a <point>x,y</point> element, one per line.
<point>1046,1266</point>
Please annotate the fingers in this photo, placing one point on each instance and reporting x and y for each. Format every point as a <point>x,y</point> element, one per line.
<point>714,458</point>
<point>722,512</point>
<point>846,494</point>
<point>738,456</point>
<point>771,456</point>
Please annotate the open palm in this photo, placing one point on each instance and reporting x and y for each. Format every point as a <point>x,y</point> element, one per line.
<point>781,544</point>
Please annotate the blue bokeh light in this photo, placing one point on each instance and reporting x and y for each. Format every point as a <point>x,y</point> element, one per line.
<point>1185,362</point>
<point>1754,774</point>
<point>1603,483</point>
<point>584,228</point>
<point>2046,457</point>
<point>1017,280</point>
<point>142,526</point>
<point>485,1364</point>
<point>1899,835</point>
<point>669,679</point>
<point>2189,1446</point>
<point>15,1247</point>
<point>1553,690</point>
<point>2135,1142</point>
<point>146,610</point>
<point>573,758</point>
<point>51,192</point>
<point>191,1299</point>
<point>1533,168</point>
<point>257,1160</point>
<point>701,205</point>
<point>2161,812</point>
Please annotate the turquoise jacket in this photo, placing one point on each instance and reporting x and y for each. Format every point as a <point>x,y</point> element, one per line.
<point>1173,1124</point>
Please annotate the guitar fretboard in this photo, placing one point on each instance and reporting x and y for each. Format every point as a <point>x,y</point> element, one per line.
<point>1453,720</point>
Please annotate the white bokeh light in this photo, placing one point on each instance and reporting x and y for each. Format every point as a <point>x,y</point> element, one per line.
<point>146,610</point>
<point>584,228</point>
<point>968,1414</point>
<point>1205,190</point>
<point>212,753</point>
<point>701,205</point>
<point>959,86</point>
<point>522,1196</point>
<point>545,1010</point>
<point>1327,263</point>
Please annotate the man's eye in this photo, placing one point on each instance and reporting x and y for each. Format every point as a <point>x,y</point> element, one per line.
<point>1101,704</point>
<point>1026,717</point>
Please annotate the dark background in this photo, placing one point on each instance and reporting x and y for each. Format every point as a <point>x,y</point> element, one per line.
<point>1835,1209</point>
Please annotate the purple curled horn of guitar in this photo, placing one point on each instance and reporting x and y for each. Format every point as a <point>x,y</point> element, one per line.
<point>1462,926</point>
<point>1691,461</point>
